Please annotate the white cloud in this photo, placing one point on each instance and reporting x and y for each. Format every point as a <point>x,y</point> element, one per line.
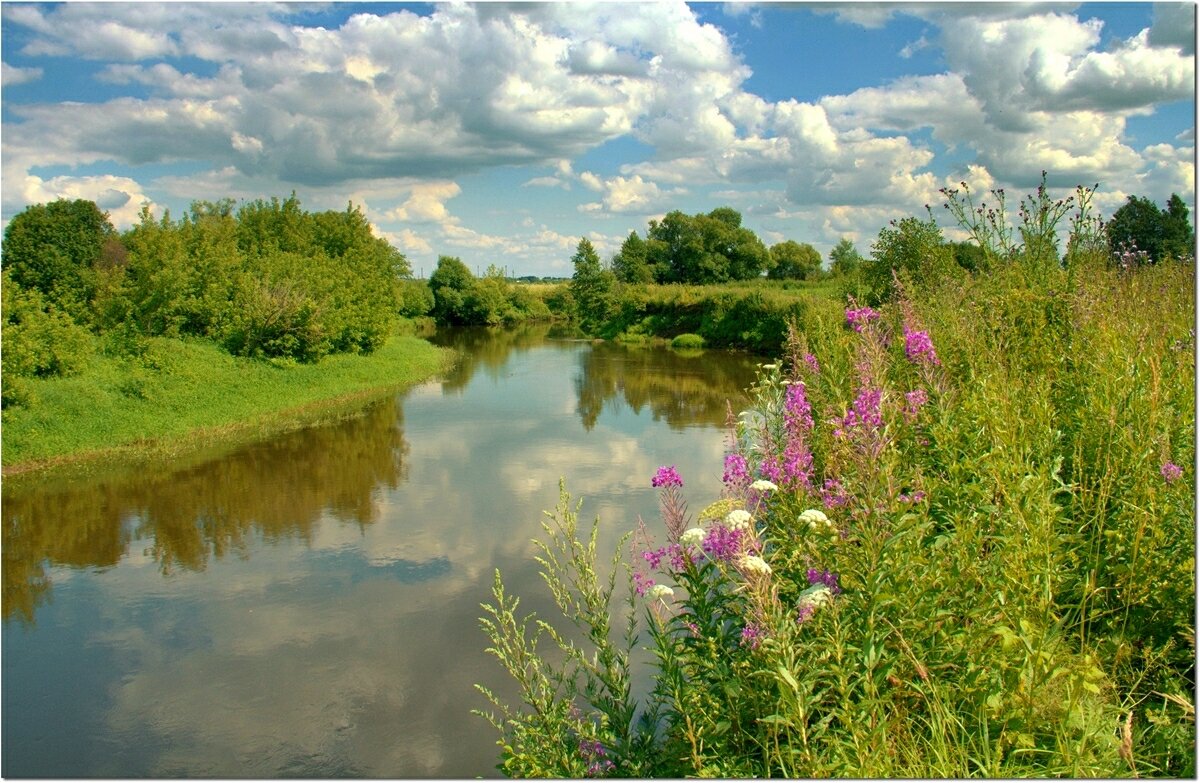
<point>426,203</point>
<point>633,196</point>
<point>11,76</point>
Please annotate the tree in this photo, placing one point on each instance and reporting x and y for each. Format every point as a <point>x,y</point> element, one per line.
<point>630,264</point>
<point>794,261</point>
<point>844,259</point>
<point>1139,224</point>
<point>450,283</point>
<point>703,248</point>
<point>52,248</point>
<point>591,285</point>
<point>911,247</point>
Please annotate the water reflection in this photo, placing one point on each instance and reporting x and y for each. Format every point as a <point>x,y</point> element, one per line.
<point>276,490</point>
<point>308,606</point>
<point>685,389</point>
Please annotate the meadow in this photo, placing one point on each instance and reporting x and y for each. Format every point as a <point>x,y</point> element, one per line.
<point>956,539</point>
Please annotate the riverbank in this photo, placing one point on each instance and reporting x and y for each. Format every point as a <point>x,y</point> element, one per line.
<point>181,396</point>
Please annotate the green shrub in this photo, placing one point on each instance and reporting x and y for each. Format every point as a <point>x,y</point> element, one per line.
<point>687,340</point>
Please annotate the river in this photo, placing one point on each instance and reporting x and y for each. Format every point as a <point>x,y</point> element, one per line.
<point>308,606</point>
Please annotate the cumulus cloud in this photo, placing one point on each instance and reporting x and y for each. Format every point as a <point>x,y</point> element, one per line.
<point>11,76</point>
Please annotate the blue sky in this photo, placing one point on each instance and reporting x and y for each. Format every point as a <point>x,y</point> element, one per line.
<point>502,133</point>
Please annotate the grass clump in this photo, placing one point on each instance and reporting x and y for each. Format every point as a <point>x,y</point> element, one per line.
<point>955,540</point>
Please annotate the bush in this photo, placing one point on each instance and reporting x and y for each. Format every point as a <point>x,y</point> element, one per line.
<point>688,340</point>
<point>39,340</point>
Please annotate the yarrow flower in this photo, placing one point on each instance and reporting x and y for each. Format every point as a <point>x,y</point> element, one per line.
<point>753,564</point>
<point>816,521</point>
<point>858,318</point>
<point>1170,471</point>
<point>660,592</point>
<point>738,519</point>
<point>762,485</point>
<point>693,536</point>
<point>666,477</point>
<point>815,596</point>
<point>919,348</point>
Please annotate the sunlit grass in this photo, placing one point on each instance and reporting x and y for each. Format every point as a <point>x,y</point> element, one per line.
<point>182,393</point>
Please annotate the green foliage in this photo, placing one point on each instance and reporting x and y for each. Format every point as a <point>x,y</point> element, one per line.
<point>794,261</point>
<point>415,298</point>
<point>630,264</point>
<point>591,286</point>
<point>912,248</point>
<point>52,248</point>
<point>976,558</point>
<point>844,259</point>
<point>1139,225</point>
<point>712,248</point>
<point>687,340</point>
<point>40,340</point>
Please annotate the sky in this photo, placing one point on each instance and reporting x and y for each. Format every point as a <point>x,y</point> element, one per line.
<point>504,133</point>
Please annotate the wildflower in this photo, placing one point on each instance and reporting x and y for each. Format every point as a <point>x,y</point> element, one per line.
<point>738,519</point>
<point>816,521</point>
<point>666,477</point>
<point>641,583</point>
<point>594,753</point>
<point>753,564</point>
<point>913,402</point>
<point>660,592</point>
<point>721,543</point>
<point>811,361</point>
<point>1170,471</point>
<point>826,578</point>
<point>797,412</point>
<point>863,413</point>
<point>804,611</point>
<point>752,636</point>
<point>919,348</point>
<point>737,472</point>
<point>857,319</point>
<point>693,536</point>
<point>833,495</point>
<point>815,596</point>
<point>915,497</point>
<point>762,485</point>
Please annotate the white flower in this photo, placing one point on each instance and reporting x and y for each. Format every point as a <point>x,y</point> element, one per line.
<point>753,564</point>
<point>693,536</point>
<point>762,485</point>
<point>770,366</point>
<point>738,519</point>
<point>660,592</point>
<point>817,595</point>
<point>815,519</point>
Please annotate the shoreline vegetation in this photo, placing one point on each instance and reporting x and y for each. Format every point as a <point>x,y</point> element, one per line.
<point>955,538</point>
<point>182,397</point>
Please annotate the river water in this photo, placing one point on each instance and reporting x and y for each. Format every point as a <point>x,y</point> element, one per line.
<point>308,606</point>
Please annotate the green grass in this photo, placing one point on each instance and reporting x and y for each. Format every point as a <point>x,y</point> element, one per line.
<point>182,395</point>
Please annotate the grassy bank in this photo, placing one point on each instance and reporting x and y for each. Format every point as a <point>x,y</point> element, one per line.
<point>182,395</point>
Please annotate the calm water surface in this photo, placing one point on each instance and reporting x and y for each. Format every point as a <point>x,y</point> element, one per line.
<point>307,606</point>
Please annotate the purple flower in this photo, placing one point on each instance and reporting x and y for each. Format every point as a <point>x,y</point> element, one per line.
<point>594,753</point>
<point>666,477</point>
<point>832,494</point>
<point>752,636</point>
<point>811,361</point>
<point>737,472</point>
<point>919,348</point>
<point>1170,471</point>
<point>863,413</point>
<point>722,543</point>
<point>797,412</point>
<point>804,612</point>
<point>913,401</point>
<point>858,319</point>
<point>826,578</point>
<point>641,583</point>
